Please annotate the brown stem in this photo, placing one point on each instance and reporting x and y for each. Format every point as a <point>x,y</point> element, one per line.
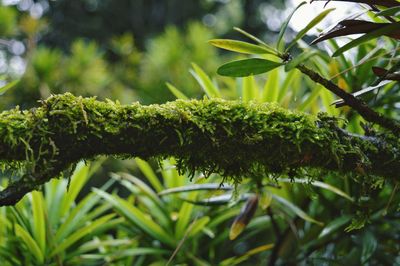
<point>360,106</point>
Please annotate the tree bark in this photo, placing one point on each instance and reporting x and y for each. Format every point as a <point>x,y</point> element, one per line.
<point>231,138</point>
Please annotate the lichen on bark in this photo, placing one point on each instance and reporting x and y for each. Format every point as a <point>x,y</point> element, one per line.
<point>232,138</point>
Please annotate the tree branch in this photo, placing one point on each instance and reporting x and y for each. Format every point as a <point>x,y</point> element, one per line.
<point>360,106</point>
<point>231,138</point>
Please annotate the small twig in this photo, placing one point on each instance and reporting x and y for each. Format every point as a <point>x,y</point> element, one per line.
<point>180,244</point>
<point>360,106</point>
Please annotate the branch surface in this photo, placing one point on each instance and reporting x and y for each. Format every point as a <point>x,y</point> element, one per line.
<point>231,138</point>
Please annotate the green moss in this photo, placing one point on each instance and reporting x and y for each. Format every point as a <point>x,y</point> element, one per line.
<point>232,138</point>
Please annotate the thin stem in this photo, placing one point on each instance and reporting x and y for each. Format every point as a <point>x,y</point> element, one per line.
<point>360,106</point>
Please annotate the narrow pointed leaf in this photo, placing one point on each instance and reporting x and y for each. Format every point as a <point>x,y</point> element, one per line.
<point>393,11</point>
<point>88,229</point>
<point>205,82</point>
<point>196,187</point>
<point>149,173</point>
<point>309,26</point>
<point>285,25</point>
<point>177,93</point>
<point>296,210</point>
<point>137,217</point>
<point>387,3</point>
<point>39,229</point>
<point>254,38</point>
<point>30,243</point>
<point>366,37</point>
<point>8,86</point>
<point>244,217</point>
<point>334,225</point>
<point>240,47</point>
<point>247,67</point>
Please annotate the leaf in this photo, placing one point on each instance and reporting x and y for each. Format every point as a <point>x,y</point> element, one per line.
<point>296,210</point>
<point>78,180</point>
<point>285,25</point>
<point>149,174</point>
<point>82,232</point>
<point>8,86</point>
<point>177,93</point>
<point>239,259</point>
<point>30,243</point>
<point>217,200</point>
<point>310,25</point>
<point>80,214</point>
<point>321,185</point>
<point>386,74</point>
<point>199,225</point>
<point>137,217</point>
<point>334,225</point>
<point>393,11</point>
<point>366,37</point>
<point>39,221</point>
<point>205,82</point>
<point>247,67</point>
<point>240,47</point>
<point>196,187</point>
<point>352,26</point>
<point>254,38</point>
<point>184,216</point>
<point>249,89</point>
<point>387,3</point>
<point>271,88</point>
<point>369,245</point>
<point>244,217</point>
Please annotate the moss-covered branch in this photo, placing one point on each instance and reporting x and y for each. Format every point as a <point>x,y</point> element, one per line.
<point>231,138</point>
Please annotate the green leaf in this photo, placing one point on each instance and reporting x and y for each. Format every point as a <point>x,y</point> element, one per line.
<point>8,86</point>
<point>247,67</point>
<point>271,87</point>
<point>285,25</point>
<point>84,231</point>
<point>334,225</point>
<point>79,215</point>
<point>254,38</point>
<point>177,93</point>
<point>239,259</point>
<point>393,11</point>
<point>199,225</point>
<point>296,210</point>
<point>309,26</point>
<point>240,47</point>
<point>195,187</point>
<point>205,82</point>
<point>30,243</point>
<point>369,245</point>
<point>184,216</point>
<point>149,173</point>
<point>137,217</point>
<point>78,180</point>
<point>319,184</point>
<point>367,37</point>
<point>39,221</point>
<point>249,89</point>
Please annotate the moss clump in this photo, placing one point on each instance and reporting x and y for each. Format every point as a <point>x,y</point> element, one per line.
<point>231,138</point>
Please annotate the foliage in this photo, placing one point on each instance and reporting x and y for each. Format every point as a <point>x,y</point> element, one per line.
<point>303,220</point>
<point>60,226</point>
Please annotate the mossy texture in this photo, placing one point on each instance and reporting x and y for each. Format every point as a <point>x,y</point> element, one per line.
<point>231,138</point>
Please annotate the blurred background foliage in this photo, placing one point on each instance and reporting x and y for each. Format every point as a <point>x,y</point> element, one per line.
<point>127,50</point>
<point>123,50</point>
